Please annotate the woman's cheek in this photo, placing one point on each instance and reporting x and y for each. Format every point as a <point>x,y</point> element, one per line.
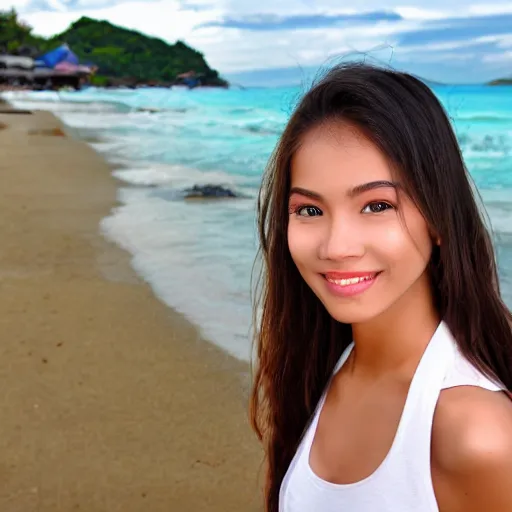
<point>301,243</point>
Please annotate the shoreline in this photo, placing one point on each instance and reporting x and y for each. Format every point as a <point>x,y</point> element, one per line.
<point>115,401</point>
<point>157,246</point>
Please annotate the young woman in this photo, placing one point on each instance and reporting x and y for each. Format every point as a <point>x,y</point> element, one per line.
<point>384,352</point>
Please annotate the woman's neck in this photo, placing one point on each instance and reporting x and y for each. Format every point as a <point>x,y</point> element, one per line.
<point>397,338</point>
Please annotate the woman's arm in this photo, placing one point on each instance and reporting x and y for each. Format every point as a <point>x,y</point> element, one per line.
<point>472,451</point>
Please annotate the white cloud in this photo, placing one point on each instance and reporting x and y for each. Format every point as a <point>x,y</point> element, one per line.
<point>18,4</point>
<point>450,57</point>
<point>499,58</point>
<point>416,13</point>
<point>490,9</point>
<point>235,50</point>
<point>162,18</point>
<point>57,5</point>
<point>500,41</point>
<point>285,7</point>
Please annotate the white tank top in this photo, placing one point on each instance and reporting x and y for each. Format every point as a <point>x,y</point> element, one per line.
<point>403,481</point>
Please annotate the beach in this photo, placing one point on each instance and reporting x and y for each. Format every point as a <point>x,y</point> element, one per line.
<point>110,399</point>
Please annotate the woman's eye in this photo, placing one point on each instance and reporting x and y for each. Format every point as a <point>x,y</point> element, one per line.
<point>376,207</point>
<point>308,211</point>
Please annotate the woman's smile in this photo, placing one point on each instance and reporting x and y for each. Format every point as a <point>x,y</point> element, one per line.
<point>349,284</point>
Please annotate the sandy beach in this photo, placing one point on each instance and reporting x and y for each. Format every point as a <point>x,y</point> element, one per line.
<point>110,400</point>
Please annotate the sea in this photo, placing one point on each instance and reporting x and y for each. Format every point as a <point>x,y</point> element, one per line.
<point>198,256</point>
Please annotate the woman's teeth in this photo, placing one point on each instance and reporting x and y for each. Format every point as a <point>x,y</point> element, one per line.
<point>347,282</point>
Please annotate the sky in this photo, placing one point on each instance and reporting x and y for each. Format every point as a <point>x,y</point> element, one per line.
<point>280,42</point>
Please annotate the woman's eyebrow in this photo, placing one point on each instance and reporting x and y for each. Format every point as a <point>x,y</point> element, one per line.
<point>365,187</point>
<point>355,191</point>
<point>306,193</point>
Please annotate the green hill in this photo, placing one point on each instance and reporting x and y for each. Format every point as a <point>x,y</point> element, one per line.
<point>121,55</point>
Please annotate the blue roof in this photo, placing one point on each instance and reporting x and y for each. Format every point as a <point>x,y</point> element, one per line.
<point>60,54</point>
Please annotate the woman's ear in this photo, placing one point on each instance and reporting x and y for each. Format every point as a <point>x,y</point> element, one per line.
<point>436,239</point>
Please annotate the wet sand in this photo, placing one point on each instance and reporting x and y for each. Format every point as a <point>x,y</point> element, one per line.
<point>110,401</point>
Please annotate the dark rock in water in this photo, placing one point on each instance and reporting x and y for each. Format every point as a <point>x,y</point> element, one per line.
<point>148,110</point>
<point>209,192</point>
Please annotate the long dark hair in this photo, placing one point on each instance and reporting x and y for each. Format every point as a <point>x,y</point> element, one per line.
<point>297,342</point>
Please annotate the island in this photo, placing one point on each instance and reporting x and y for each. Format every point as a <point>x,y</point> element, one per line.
<point>501,81</point>
<point>118,56</point>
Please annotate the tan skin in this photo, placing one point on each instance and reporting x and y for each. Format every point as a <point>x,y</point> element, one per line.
<point>337,227</point>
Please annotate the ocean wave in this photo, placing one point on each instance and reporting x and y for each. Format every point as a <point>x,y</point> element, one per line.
<point>263,129</point>
<point>233,126</point>
<point>497,196</point>
<point>151,174</point>
<point>109,147</point>
<point>501,222</point>
<point>101,102</point>
<point>240,110</point>
<point>490,117</point>
<point>498,209</point>
<point>54,102</point>
<point>216,241</point>
<point>491,145</point>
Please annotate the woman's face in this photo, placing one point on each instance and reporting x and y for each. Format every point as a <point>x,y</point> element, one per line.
<point>345,234</point>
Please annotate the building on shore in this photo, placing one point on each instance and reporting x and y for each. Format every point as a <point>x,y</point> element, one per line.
<point>55,70</point>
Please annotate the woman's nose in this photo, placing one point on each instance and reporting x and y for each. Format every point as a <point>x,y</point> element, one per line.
<point>343,239</point>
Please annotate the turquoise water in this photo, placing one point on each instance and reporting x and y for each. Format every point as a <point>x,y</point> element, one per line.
<point>198,256</point>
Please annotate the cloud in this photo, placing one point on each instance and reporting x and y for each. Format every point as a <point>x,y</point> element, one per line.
<point>500,58</point>
<point>245,50</point>
<point>490,9</point>
<point>162,18</point>
<point>18,4</point>
<point>267,22</point>
<point>459,28</point>
<point>416,13</point>
<point>195,6</point>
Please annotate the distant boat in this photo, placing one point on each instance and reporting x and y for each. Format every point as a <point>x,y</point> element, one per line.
<point>188,79</point>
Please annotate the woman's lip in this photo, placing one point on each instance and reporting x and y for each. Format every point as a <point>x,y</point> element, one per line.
<point>351,290</point>
<point>348,275</point>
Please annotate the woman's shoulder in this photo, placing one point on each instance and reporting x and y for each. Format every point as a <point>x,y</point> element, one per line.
<point>472,449</point>
<point>461,371</point>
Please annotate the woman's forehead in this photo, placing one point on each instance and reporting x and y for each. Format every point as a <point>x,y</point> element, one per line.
<point>338,154</point>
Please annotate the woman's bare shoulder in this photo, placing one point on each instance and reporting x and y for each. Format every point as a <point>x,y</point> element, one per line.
<point>472,450</point>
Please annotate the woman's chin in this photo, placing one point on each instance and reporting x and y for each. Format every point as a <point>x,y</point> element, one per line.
<point>353,313</point>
